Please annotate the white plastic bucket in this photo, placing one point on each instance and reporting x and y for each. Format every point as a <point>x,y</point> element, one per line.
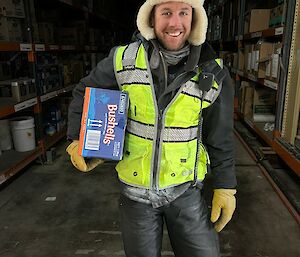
<point>23,133</point>
<point>5,137</point>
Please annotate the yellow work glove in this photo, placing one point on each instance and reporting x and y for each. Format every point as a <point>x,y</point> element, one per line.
<point>223,206</point>
<point>78,161</point>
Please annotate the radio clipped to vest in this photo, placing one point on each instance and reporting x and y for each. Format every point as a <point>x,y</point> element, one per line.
<point>211,71</point>
<point>206,81</point>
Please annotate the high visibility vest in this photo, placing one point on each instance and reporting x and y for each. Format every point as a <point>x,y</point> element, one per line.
<point>160,149</point>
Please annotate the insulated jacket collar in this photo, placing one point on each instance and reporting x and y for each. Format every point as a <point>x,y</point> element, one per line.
<point>198,54</point>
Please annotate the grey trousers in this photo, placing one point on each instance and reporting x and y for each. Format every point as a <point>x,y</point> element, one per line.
<point>187,219</point>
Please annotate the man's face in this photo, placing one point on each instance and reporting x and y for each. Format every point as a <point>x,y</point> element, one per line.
<point>172,23</point>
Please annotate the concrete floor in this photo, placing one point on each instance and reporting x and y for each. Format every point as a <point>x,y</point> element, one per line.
<point>54,211</point>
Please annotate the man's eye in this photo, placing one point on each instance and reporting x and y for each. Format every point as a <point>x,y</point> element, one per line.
<point>184,13</point>
<point>166,13</point>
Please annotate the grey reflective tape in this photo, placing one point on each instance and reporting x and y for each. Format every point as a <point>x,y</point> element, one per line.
<point>210,95</point>
<point>192,89</point>
<point>179,134</point>
<point>168,134</point>
<point>140,129</point>
<point>135,76</point>
<point>130,54</point>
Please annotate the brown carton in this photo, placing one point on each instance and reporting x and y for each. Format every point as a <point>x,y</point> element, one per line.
<point>259,20</point>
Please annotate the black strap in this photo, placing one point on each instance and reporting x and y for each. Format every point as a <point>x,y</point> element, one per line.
<point>214,68</point>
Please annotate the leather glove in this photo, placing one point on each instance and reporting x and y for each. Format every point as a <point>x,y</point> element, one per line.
<point>223,206</point>
<point>78,161</point>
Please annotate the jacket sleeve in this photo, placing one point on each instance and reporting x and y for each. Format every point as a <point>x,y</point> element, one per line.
<point>102,76</point>
<point>218,136</point>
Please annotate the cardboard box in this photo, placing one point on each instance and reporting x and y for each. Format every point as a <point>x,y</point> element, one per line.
<point>103,123</point>
<point>248,101</point>
<point>275,66</point>
<point>262,55</point>
<point>259,20</point>
<point>241,60</point>
<point>46,32</point>
<point>247,51</point>
<point>264,101</point>
<point>12,8</point>
<point>10,29</point>
<point>277,15</point>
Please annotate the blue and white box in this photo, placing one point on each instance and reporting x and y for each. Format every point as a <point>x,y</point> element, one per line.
<point>103,123</point>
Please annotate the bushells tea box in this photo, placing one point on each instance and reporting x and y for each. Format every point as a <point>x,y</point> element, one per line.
<point>103,123</point>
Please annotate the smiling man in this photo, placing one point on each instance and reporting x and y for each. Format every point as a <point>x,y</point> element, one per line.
<point>179,128</point>
<point>172,24</point>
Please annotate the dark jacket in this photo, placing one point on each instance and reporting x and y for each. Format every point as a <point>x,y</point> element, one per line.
<point>218,118</point>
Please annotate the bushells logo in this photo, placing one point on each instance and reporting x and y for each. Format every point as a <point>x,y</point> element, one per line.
<point>122,103</point>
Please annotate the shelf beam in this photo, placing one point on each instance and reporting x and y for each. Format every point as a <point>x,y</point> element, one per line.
<point>15,162</point>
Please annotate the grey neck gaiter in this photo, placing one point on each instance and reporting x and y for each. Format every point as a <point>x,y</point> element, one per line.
<point>174,57</point>
<point>171,57</point>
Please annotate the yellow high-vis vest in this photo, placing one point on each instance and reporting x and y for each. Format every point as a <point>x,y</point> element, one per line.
<point>160,148</point>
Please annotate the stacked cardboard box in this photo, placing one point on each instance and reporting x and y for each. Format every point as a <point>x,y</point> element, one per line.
<point>261,55</point>
<point>246,99</point>
<point>277,15</point>
<point>264,104</point>
<point>11,19</point>
<point>257,20</point>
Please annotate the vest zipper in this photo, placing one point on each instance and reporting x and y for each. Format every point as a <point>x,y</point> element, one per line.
<point>155,174</point>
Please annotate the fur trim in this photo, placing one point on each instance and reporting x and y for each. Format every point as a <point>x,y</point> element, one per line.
<point>199,26</point>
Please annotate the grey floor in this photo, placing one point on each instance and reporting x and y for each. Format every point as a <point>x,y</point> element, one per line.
<point>54,211</point>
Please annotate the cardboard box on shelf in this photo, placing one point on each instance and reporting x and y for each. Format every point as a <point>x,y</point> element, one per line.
<point>264,100</point>
<point>241,60</point>
<point>46,32</point>
<point>10,29</point>
<point>246,23</point>
<point>247,52</point>
<point>277,15</point>
<point>262,55</point>
<point>103,123</point>
<point>275,66</point>
<point>12,8</point>
<point>246,106</point>
<point>259,20</point>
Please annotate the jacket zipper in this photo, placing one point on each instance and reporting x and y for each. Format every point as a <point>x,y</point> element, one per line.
<point>158,135</point>
<point>155,175</point>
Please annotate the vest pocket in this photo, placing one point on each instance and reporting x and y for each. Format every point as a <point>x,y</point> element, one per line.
<point>177,165</point>
<point>134,168</point>
<point>203,163</point>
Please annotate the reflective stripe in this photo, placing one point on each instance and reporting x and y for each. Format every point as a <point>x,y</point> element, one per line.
<point>130,55</point>
<point>140,129</point>
<point>192,89</point>
<point>135,76</point>
<point>180,134</point>
<point>147,131</point>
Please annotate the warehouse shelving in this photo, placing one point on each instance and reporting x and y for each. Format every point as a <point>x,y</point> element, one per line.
<point>11,162</point>
<point>281,139</point>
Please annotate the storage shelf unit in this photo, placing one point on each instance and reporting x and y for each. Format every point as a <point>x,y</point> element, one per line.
<point>33,47</point>
<point>11,162</point>
<point>231,39</point>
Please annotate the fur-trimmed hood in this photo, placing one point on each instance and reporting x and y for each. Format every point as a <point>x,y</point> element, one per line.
<point>199,26</point>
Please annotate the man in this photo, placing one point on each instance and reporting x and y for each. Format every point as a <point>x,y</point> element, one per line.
<point>181,103</point>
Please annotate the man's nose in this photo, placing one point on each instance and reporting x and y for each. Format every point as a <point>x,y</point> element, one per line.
<point>174,20</point>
